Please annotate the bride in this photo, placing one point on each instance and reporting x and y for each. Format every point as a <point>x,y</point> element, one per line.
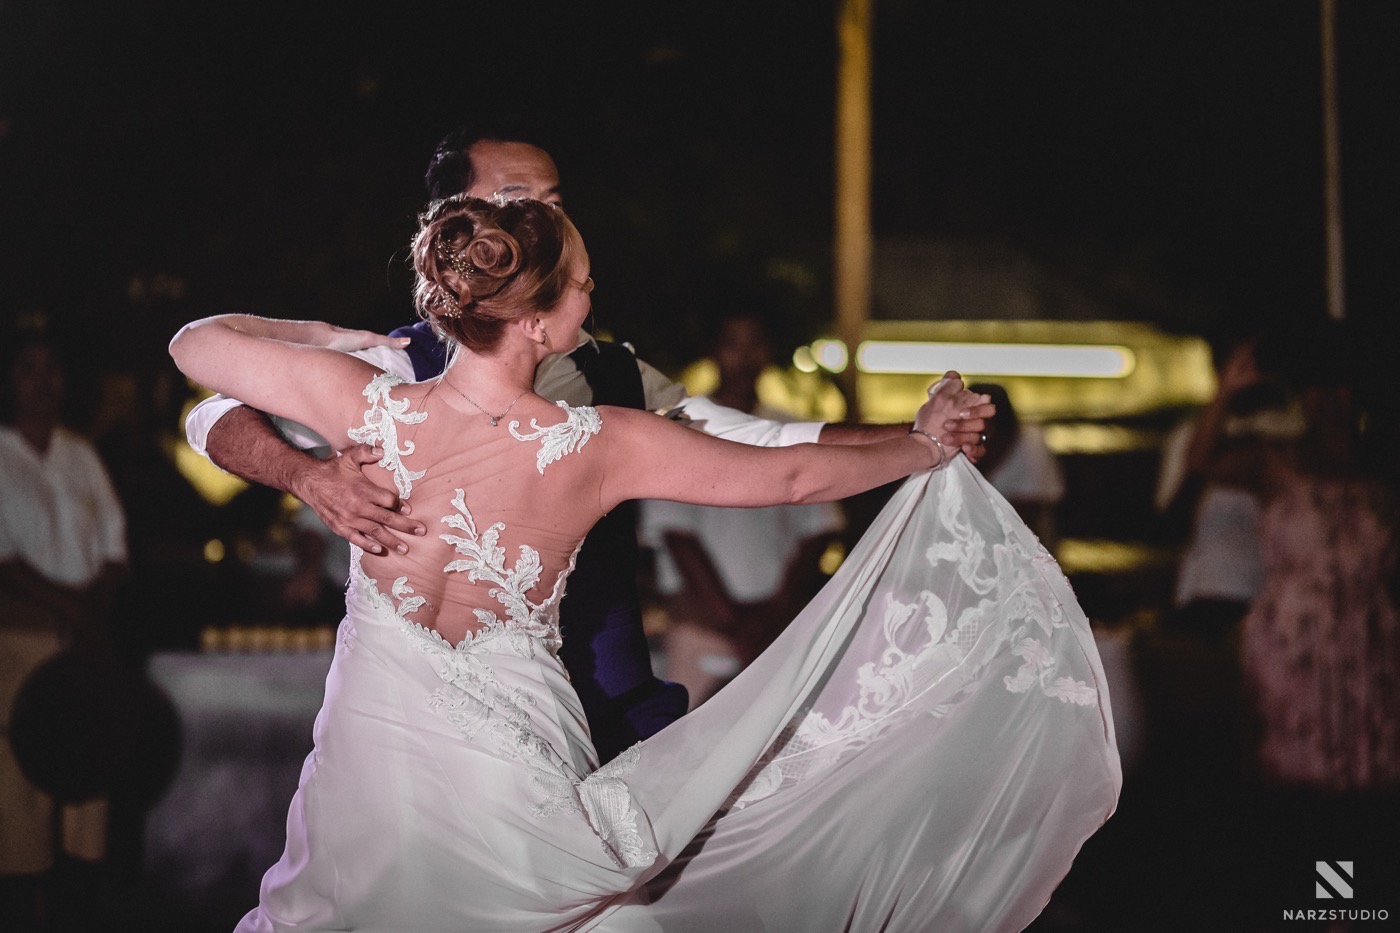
<point>924,748</point>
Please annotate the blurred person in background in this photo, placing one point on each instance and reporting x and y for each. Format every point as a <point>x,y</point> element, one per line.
<point>1021,467</point>
<point>62,555</point>
<point>733,578</point>
<point>312,592</point>
<point>1208,485</point>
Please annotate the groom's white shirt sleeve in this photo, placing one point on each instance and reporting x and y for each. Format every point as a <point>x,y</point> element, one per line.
<point>558,378</point>
<point>204,415</point>
<point>733,425</point>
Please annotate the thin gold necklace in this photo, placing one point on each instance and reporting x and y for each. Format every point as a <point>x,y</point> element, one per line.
<point>495,419</point>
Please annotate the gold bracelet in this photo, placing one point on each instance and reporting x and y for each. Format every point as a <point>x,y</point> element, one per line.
<point>937,443</point>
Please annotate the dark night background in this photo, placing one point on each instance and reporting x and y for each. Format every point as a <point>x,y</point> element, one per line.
<point>269,156</point>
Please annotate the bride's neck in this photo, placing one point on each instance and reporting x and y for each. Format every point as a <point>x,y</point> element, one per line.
<point>498,372</point>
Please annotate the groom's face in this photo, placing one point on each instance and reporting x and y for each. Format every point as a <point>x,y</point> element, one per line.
<point>513,170</point>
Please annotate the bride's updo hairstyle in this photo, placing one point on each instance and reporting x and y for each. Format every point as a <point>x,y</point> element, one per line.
<point>482,264</point>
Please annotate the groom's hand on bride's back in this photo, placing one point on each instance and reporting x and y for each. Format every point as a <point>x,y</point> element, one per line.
<point>368,516</point>
<point>342,496</point>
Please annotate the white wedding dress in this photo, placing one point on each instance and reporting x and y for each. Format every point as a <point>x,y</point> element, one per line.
<point>925,748</point>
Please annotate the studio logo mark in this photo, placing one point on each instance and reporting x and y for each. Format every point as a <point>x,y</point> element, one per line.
<point>1334,879</point>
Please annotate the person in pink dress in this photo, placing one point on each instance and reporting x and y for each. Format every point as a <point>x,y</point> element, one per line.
<point>1320,644</point>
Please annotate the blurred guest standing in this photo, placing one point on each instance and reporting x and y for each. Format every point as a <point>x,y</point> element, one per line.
<point>735,577</point>
<point>1320,645</point>
<point>62,547</point>
<point>1020,466</point>
<point>1209,479</point>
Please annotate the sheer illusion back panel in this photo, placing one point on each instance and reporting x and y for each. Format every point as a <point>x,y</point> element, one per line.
<point>519,505</point>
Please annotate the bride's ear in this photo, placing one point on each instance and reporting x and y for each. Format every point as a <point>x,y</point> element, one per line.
<point>536,329</point>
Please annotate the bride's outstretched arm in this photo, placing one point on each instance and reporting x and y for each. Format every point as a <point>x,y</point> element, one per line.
<point>650,458</point>
<point>286,368</point>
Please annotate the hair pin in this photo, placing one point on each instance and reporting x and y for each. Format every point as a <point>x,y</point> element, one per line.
<point>458,263</point>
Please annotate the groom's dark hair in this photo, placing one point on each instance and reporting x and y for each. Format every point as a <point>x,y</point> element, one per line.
<point>450,170</point>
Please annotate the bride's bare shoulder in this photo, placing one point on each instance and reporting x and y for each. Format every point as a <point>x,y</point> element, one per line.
<point>630,420</point>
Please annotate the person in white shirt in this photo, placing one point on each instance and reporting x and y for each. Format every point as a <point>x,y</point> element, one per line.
<point>62,551</point>
<point>733,578</point>
<point>1209,472</point>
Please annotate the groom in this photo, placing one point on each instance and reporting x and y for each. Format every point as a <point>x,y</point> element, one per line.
<point>604,649</point>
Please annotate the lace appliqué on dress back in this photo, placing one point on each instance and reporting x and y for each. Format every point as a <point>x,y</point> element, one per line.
<point>567,436</point>
<point>483,559</point>
<point>381,427</point>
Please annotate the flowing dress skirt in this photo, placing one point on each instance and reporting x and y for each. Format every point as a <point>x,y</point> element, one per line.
<point>925,748</point>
